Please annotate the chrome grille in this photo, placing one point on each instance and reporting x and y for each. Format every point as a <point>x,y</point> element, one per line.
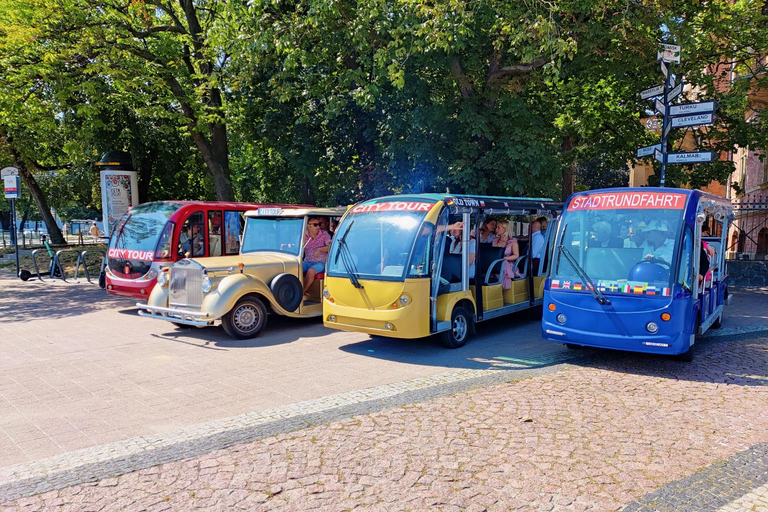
<point>186,285</point>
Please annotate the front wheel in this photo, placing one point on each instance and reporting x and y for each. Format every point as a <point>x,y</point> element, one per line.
<point>461,327</point>
<point>687,356</point>
<point>245,320</point>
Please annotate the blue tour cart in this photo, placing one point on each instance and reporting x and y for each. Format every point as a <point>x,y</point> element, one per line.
<point>637,269</point>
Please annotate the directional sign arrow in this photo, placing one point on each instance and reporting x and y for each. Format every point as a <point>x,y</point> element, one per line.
<point>704,107</point>
<point>691,158</point>
<point>694,120</point>
<point>647,150</point>
<point>657,154</point>
<point>674,93</point>
<point>668,53</point>
<point>9,171</point>
<point>651,92</point>
<point>661,107</point>
<point>664,68</point>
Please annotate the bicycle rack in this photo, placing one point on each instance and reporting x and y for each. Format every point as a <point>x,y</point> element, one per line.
<point>56,262</point>
<point>81,259</point>
<point>34,262</point>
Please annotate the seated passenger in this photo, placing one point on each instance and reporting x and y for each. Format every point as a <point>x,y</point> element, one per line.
<point>656,243</point>
<point>456,230</point>
<point>316,245</point>
<point>505,239</point>
<point>185,241</point>
<point>604,236</point>
<point>487,231</point>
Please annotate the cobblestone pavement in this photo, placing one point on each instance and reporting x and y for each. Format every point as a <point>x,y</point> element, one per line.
<point>80,369</point>
<point>613,431</point>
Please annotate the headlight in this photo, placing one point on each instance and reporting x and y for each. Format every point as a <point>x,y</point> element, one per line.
<point>405,300</point>
<point>326,293</point>
<point>652,327</point>
<point>151,274</point>
<point>207,284</point>
<point>162,278</point>
<point>561,318</point>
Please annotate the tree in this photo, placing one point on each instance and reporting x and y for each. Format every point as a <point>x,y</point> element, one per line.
<point>152,52</point>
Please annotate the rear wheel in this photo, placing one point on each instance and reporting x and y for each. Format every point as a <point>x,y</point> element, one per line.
<point>245,320</point>
<point>24,275</point>
<point>461,327</point>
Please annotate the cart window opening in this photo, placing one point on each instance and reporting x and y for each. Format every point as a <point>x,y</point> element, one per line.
<point>214,232</point>
<point>381,243</point>
<point>628,250</point>
<point>273,234</point>
<point>138,236</point>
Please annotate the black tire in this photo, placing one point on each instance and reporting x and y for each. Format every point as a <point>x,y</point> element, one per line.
<point>687,356</point>
<point>245,320</point>
<point>102,280</point>
<point>24,275</point>
<point>56,270</point>
<point>287,291</point>
<point>717,323</point>
<point>461,328</point>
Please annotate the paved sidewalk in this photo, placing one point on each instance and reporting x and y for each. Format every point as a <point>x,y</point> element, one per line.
<point>599,436</point>
<point>613,430</point>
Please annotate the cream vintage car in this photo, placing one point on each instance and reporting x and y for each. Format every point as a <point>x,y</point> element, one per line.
<point>266,277</point>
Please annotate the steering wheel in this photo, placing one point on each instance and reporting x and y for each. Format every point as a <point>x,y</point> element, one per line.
<point>657,261</point>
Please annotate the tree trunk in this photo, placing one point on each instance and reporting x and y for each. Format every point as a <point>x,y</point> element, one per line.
<point>372,183</point>
<point>216,150</point>
<point>568,168</point>
<point>216,158</point>
<point>42,203</point>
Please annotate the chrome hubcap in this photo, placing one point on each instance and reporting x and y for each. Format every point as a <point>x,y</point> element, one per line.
<point>459,328</point>
<point>246,318</point>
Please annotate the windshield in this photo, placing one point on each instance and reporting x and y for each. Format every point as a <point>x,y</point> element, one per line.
<point>135,238</point>
<point>624,241</point>
<point>378,239</point>
<point>272,234</point>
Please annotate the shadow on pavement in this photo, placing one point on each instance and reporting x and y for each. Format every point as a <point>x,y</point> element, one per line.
<point>33,300</point>
<point>740,362</point>
<point>278,331</point>
<point>512,342</point>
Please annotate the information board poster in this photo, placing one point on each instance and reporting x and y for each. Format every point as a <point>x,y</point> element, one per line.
<point>119,192</point>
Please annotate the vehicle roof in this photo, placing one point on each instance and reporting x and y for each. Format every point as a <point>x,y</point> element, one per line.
<point>296,211</point>
<point>477,201</point>
<point>229,204</point>
<point>686,191</point>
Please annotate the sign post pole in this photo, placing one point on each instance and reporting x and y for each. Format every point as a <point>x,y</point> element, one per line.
<point>12,186</point>
<point>665,120</point>
<point>15,238</point>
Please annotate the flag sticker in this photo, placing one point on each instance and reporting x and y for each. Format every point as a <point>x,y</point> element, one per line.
<point>555,284</point>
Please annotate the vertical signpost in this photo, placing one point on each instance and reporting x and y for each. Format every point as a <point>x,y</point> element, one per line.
<point>12,187</point>
<point>675,116</point>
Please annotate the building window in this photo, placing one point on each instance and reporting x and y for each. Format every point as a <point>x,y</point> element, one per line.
<point>765,168</point>
<point>762,241</point>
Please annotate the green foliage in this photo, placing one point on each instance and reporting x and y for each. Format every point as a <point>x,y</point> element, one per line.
<point>332,101</point>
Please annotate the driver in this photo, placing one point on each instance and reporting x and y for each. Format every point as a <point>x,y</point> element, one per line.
<point>657,244</point>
